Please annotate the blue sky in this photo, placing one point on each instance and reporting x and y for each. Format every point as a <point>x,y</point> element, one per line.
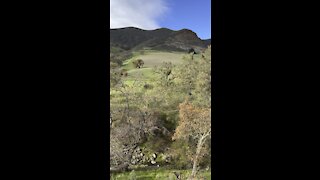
<point>173,14</point>
<point>190,14</point>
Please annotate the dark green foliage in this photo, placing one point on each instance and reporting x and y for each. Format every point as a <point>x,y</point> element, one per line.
<point>148,86</point>
<point>180,160</point>
<point>157,144</point>
<point>171,121</point>
<point>124,72</point>
<point>191,50</point>
<point>119,55</point>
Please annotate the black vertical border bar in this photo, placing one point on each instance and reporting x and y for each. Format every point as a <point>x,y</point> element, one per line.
<point>218,66</point>
<point>103,88</point>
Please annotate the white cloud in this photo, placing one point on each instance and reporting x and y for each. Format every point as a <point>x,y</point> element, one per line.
<point>143,14</point>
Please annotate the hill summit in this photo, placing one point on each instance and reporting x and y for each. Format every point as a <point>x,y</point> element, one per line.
<point>132,38</point>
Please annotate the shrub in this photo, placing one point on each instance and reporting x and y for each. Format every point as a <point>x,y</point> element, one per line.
<point>138,63</point>
<point>147,86</point>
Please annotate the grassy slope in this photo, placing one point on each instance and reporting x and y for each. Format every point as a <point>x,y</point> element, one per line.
<point>151,59</point>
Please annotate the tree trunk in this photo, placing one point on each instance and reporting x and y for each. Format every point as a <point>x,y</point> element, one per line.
<point>195,161</point>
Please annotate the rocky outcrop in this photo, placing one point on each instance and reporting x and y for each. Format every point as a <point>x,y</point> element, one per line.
<point>141,158</point>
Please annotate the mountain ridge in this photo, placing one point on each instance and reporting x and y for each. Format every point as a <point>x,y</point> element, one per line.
<point>132,38</point>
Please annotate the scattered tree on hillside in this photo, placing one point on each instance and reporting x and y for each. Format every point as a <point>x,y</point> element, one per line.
<point>165,72</point>
<point>138,63</point>
<point>124,72</point>
<point>194,78</point>
<point>191,50</point>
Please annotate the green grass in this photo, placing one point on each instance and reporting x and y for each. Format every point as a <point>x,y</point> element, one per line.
<point>157,58</point>
<point>141,74</point>
<point>151,59</point>
<point>154,58</point>
<point>158,174</point>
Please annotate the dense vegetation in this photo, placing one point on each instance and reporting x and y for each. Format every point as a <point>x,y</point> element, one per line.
<point>161,118</point>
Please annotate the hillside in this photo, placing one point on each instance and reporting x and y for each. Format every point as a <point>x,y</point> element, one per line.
<point>160,39</point>
<point>149,101</point>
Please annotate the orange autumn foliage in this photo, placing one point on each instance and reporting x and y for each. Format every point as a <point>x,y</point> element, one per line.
<point>195,122</point>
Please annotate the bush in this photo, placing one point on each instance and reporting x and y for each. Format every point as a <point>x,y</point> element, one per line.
<point>191,50</point>
<point>138,63</point>
<point>124,72</point>
<point>180,157</point>
<point>147,86</point>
